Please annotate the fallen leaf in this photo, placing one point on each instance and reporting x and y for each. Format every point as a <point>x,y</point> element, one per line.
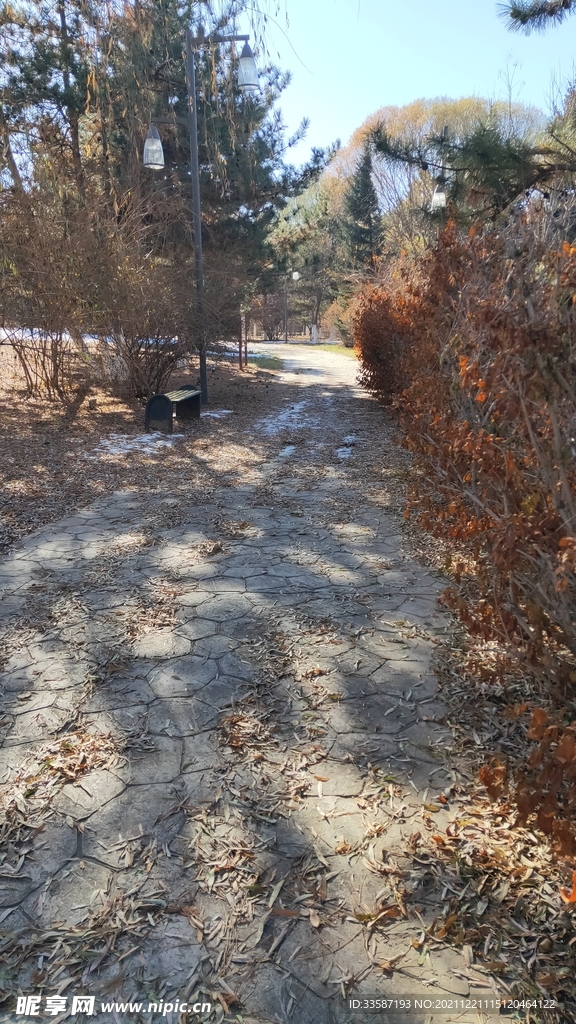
<point>514,711</point>
<point>276,892</point>
<point>343,846</point>
<point>389,965</point>
<point>446,926</point>
<point>569,897</point>
<point>537,724</point>
<point>387,914</point>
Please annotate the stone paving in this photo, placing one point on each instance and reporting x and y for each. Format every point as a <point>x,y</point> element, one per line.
<point>249,674</point>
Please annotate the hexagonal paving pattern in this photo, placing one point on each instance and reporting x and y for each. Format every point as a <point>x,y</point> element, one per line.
<point>226,759</point>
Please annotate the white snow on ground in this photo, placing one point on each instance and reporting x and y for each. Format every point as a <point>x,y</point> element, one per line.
<point>343,453</point>
<point>218,414</point>
<point>287,451</point>
<point>232,350</point>
<point>349,439</point>
<point>119,444</point>
<point>289,419</point>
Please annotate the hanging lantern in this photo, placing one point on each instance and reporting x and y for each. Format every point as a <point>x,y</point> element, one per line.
<point>438,199</point>
<point>153,152</point>
<point>247,71</point>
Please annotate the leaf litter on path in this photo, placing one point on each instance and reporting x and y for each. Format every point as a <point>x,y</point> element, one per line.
<point>473,885</point>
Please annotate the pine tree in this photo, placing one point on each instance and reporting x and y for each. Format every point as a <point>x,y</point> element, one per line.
<point>526,15</point>
<point>80,84</point>
<point>45,67</point>
<point>363,213</point>
<point>488,167</point>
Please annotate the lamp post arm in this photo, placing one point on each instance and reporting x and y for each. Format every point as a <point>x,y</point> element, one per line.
<point>196,214</point>
<point>198,41</point>
<point>171,120</point>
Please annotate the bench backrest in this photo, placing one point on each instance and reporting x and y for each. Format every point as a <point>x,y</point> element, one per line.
<point>158,414</point>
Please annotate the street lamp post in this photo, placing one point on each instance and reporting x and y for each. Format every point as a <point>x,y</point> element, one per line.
<point>286,308</point>
<point>295,277</point>
<point>154,158</point>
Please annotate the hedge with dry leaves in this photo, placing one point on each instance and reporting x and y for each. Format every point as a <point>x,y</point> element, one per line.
<point>475,347</point>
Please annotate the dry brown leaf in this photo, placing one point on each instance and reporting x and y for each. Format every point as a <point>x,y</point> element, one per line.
<point>446,926</point>
<point>343,846</point>
<point>391,913</point>
<point>569,896</point>
<point>389,965</point>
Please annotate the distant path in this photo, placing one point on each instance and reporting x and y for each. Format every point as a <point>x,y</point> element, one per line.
<point>246,676</point>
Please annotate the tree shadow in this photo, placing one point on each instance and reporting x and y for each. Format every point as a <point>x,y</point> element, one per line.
<point>259,717</point>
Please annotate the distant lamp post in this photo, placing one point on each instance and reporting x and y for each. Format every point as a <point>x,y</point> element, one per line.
<point>153,152</point>
<point>154,157</point>
<point>295,277</point>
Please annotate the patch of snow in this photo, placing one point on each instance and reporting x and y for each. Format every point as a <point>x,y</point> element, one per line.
<point>119,444</point>
<point>8,334</point>
<point>287,451</point>
<point>232,350</point>
<point>349,439</point>
<point>218,414</point>
<point>287,419</point>
<point>343,453</point>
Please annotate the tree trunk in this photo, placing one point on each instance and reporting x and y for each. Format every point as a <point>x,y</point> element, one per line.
<point>73,119</point>
<point>8,154</point>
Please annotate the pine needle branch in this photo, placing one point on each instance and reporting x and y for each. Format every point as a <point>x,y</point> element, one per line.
<point>535,15</point>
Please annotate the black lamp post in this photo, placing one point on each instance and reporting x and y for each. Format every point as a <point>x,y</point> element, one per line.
<point>154,158</point>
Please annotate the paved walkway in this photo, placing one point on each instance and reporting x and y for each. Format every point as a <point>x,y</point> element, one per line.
<point>219,732</point>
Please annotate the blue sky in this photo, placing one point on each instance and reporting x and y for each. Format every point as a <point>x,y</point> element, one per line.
<point>350,57</point>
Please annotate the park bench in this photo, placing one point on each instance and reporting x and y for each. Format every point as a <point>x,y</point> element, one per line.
<point>160,409</point>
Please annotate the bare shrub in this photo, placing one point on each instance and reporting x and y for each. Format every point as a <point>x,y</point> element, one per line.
<point>72,268</point>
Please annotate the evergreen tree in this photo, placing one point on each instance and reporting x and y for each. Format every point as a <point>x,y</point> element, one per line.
<point>363,213</point>
<point>488,167</point>
<point>525,15</point>
<point>81,83</point>
<point>309,237</point>
<point>45,67</point>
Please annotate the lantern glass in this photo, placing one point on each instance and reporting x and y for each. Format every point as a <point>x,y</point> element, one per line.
<point>153,152</point>
<point>247,71</point>
<point>438,199</point>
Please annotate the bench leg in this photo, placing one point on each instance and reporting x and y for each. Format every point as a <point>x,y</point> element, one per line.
<point>189,409</point>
